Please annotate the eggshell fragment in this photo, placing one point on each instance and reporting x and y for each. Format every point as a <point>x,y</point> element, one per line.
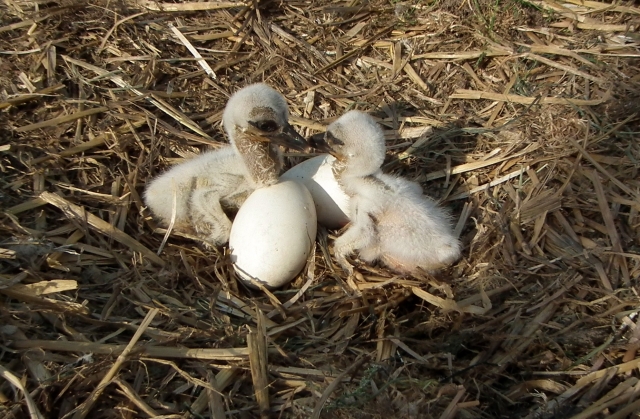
<point>332,204</point>
<point>273,234</point>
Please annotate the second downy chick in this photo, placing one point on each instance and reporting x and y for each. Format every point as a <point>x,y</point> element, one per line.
<point>391,220</point>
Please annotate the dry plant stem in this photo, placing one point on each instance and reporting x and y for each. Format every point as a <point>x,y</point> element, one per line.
<point>184,374</point>
<point>216,405</point>
<point>201,61</point>
<point>604,171</point>
<point>96,142</point>
<point>332,387</point>
<point>229,354</point>
<point>46,287</point>
<point>566,68</point>
<point>172,222</point>
<point>467,55</point>
<point>38,300</point>
<point>135,398</point>
<point>355,51</point>
<point>34,413</point>
<point>257,345</point>
<point>159,103</point>
<point>462,221</point>
<point>468,167</point>
<point>408,350</point>
<point>621,394</point>
<point>448,304</point>
<point>491,184</point>
<point>621,391</point>
<point>477,95</point>
<point>610,225</point>
<point>212,397</point>
<point>590,4</point>
<point>547,49</point>
<point>30,22</point>
<point>527,335</point>
<point>452,409</point>
<point>75,212</point>
<point>626,411</point>
<point>115,26</point>
<point>62,119</point>
<point>188,6</point>
<point>28,97</point>
<point>84,408</point>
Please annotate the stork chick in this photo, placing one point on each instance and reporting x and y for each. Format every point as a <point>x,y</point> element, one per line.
<point>391,220</point>
<point>256,120</point>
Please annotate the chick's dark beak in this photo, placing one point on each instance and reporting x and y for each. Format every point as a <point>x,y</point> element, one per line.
<point>289,137</point>
<point>324,143</point>
<point>319,142</point>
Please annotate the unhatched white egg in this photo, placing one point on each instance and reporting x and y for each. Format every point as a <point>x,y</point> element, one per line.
<point>273,233</point>
<point>332,204</point>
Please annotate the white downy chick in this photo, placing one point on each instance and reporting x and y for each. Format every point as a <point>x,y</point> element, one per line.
<point>391,220</point>
<point>256,120</point>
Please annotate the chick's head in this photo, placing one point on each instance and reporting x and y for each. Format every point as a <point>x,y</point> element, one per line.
<point>356,141</point>
<point>260,113</point>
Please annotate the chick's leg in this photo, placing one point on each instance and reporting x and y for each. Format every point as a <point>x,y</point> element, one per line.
<point>207,217</point>
<point>360,234</point>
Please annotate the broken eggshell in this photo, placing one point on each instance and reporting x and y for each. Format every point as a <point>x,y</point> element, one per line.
<point>332,204</point>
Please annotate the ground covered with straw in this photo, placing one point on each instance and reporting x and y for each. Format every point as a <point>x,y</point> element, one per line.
<point>522,117</point>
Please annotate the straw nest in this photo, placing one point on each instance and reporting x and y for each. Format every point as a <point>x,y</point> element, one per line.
<point>520,116</point>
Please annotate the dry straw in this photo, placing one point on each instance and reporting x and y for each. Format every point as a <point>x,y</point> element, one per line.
<point>522,117</point>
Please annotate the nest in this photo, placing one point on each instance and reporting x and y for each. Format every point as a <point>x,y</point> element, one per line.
<point>522,117</point>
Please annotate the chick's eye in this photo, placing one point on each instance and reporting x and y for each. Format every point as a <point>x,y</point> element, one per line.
<point>267,126</point>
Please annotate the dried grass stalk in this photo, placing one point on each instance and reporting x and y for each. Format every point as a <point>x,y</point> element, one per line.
<point>83,410</point>
<point>189,6</point>
<point>78,213</point>
<point>228,354</point>
<point>257,345</point>
<point>477,95</point>
<point>34,413</point>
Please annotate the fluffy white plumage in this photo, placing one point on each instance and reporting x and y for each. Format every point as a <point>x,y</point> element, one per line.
<point>256,122</point>
<point>391,220</point>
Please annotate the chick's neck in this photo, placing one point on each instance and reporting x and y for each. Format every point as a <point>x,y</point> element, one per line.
<point>354,167</point>
<point>349,174</point>
<point>262,160</point>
